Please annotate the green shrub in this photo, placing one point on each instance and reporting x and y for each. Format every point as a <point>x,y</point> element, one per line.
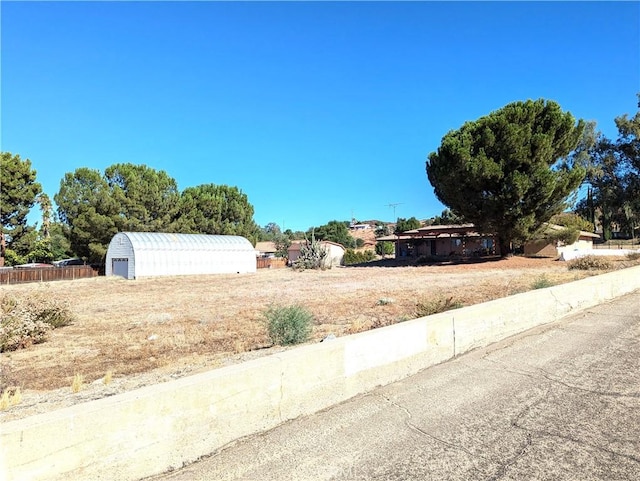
<point>288,325</point>
<point>358,257</point>
<point>587,263</point>
<point>541,282</point>
<point>385,248</point>
<point>435,305</point>
<point>27,320</point>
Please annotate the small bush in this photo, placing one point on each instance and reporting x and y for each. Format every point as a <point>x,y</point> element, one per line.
<point>541,282</point>
<point>633,256</point>
<point>385,248</point>
<point>288,325</point>
<point>358,257</point>
<point>434,306</point>
<point>28,320</point>
<point>587,263</point>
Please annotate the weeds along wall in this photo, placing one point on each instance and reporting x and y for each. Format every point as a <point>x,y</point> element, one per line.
<point>158,428</point>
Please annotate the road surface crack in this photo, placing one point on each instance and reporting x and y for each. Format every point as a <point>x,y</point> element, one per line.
<point>427,434</point>
<point>504,466</point>
<point>549,377</point>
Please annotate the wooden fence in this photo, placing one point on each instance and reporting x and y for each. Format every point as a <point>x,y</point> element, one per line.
<point>271,263</point>
<point>46,274</point>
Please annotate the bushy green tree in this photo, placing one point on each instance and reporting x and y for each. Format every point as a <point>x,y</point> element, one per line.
<point>381,229</point>
<point>282,244</point>
<point>508,172</point>
<point>90,214</point>
<point>335,231</point>
<point>571,224</point>
<point>447,217</point>
<point>146,198</point>
<point>18,193</point>
<point>403,225</point>
<point>384,248</point>
<point>93,207</point>
<point>216,209</point>
<point>573,220</point>
<point>270,231</point>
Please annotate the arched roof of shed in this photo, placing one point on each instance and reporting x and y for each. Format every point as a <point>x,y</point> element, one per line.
<point>199,242</point>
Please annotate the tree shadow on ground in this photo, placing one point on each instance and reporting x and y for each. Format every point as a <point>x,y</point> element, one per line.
<point>416,262</point>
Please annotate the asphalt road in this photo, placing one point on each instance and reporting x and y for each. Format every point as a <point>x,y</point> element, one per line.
<point>560,402</point>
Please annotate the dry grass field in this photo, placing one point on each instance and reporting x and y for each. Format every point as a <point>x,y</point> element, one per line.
<point>150,330</point>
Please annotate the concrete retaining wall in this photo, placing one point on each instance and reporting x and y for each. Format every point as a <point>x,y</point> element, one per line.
<point>157,428</point>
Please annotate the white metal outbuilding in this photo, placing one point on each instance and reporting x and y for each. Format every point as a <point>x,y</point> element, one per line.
<point>143,254</point>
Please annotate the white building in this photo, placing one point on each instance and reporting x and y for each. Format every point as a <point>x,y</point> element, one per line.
<point>335,253</point>
<point>143,254</point>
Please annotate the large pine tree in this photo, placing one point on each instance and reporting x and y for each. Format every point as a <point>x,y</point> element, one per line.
<point>507,172</point>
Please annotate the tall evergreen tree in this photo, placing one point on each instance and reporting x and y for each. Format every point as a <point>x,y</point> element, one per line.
<point>89,213</point>
<point>613,179</point>
<point>147,198</point>
<point>216,209</point>
<point>18,193</point>
<point>508,172</point>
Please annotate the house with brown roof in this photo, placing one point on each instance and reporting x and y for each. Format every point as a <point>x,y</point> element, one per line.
<point>548,248</point>
<point>461,240</point>
<point>266,249</point>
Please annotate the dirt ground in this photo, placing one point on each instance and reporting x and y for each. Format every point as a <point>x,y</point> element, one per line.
<point>128,334</point>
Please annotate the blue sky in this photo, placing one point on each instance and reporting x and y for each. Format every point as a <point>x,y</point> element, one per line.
<point>316,110</point>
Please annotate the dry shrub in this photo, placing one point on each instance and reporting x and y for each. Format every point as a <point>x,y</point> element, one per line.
<point>435,305</point>
<point>78,383</point>
<point>633,256</point>
<point>28,319</point>
<point>10,397</point>
<point>359,324</point>
<point>587,263</point>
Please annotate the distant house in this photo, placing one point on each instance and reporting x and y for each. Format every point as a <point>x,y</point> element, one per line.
<point>335,252</point>
<point>546,248</point>
<point>461,240</point>
<point>359,226</point>
<point>266,249</point>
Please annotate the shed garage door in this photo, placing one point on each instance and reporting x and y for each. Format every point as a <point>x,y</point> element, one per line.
<point>120,267</point>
